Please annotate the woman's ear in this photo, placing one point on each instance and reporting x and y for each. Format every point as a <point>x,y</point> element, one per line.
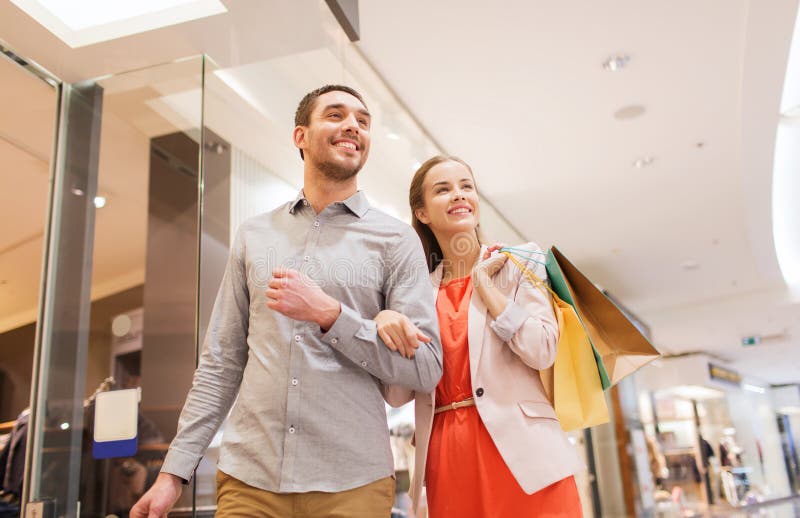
<point>422,216</point>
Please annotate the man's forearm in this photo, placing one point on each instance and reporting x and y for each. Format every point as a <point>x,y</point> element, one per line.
<point>357,338</point>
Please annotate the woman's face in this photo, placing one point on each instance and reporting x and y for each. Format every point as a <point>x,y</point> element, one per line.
<point>451,201</point>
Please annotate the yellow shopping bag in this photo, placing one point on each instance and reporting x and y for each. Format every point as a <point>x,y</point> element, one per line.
<point>573,383</point>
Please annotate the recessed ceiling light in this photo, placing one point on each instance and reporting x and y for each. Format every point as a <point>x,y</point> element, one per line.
<point>392,136</point>
<point>615,63</point>
<point>99,201</point>
<point>690,264</point>
<point>630,112</point>
<point>643,162</point>
<point>84,22</point>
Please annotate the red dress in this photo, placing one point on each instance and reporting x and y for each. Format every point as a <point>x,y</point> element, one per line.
<point>465,474</point>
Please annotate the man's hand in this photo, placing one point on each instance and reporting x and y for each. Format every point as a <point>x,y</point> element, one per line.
<point>399,333</point>
<point>294,295</point>
<point>159,499</point>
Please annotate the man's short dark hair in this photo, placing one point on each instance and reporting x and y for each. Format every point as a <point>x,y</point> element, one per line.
<point>303,114</point>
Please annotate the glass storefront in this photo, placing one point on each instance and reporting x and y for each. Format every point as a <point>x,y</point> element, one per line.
<point>28,119</point>
<point>713,439</point>
<point>154,170</point>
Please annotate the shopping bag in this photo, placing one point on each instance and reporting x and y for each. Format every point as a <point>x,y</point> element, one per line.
<point>619,347</point>
<point>572,384</point>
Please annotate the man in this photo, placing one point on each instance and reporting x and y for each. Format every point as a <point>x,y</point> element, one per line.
<point>292,334</point>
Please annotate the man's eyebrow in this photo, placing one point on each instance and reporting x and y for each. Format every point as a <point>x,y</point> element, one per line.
<point>340,106</point>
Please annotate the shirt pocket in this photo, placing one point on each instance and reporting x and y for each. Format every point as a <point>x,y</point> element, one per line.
<point>537,409</point>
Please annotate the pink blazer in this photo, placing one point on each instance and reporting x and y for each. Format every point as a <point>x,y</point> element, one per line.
<point>505,356</point>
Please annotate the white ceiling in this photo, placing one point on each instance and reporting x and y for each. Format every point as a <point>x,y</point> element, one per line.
<point>517,89</point>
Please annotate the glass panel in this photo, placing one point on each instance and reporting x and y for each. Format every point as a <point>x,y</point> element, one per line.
<point>130,179</point>
<point>28,115</point>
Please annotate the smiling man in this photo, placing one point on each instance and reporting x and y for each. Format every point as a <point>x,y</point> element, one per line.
<point>292,334</point>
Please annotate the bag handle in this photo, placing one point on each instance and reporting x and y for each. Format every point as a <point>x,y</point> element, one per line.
<point>536,281</point>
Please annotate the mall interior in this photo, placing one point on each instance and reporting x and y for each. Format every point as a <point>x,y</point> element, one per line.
<point>656,144</point>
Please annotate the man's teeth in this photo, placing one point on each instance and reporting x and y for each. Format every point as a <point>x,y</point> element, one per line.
<point>348,145</point>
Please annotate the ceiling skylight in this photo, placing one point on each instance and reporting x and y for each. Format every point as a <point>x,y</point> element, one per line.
<point>84,22</point>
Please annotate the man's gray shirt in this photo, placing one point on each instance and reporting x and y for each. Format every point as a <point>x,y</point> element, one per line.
<point>309,414</point>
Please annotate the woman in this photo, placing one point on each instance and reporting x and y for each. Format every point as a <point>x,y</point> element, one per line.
<point>487,441</point>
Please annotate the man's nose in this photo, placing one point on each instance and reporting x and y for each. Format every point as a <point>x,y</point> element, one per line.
<point>351,123</point>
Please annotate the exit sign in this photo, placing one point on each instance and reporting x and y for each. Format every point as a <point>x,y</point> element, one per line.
<point>749,341</point>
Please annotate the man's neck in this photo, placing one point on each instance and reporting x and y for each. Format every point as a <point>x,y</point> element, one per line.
<point>321,191</point>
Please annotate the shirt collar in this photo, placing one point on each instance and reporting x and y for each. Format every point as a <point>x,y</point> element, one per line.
<point>357,203</point>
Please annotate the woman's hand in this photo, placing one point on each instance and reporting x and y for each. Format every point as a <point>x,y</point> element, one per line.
<point>399,333</point>
<point>488,266</point>
<point>482,274</point>
<point>494,248</point>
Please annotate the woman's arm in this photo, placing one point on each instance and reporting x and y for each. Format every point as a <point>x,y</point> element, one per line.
<point>525,322</point>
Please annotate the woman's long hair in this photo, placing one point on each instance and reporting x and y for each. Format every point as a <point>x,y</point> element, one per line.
<point>416,199</point>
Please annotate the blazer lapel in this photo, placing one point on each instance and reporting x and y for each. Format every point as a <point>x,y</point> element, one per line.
<point>476,324</point>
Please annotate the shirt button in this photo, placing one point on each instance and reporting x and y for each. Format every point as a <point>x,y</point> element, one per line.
<point>316,223</point>
<point>334,340</point>
<point>291,429</point>
<point>479,392</point>
<point>294,381</point>
<point>363,364</point>
<point>297,338</point>
<point>306,258</point>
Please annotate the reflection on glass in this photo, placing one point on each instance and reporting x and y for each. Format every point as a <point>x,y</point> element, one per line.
<point>28,115</point>
<point>127,195</point>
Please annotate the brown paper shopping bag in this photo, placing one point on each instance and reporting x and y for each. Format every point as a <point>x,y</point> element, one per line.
<point>621,348</point>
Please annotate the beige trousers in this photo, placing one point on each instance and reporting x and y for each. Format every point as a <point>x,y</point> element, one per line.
<point>237,499</point>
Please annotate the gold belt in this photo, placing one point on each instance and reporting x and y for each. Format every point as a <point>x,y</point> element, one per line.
<point>453,406</point>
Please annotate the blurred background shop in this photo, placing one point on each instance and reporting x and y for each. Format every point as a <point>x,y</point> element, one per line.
<point>655,143</point>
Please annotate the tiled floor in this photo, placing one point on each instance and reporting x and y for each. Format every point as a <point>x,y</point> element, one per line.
<point>787,509</point>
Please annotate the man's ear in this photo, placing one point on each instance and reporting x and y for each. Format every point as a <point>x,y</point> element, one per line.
<point>422,216</point>
<point>299,136</point>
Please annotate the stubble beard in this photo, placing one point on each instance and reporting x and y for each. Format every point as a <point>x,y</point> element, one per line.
<point>338,173</point>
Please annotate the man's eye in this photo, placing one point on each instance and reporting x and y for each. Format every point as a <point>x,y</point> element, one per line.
<point>335,115</point>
